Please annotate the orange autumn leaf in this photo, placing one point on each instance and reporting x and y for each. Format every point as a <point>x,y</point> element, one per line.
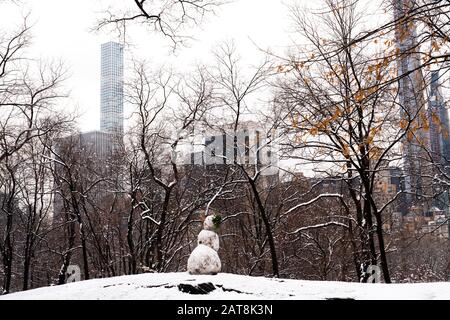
<point>373,132</point>
<point>359,96</point>
<point>403,123</point>
<point>299,65</point>
<point>435,119</point>
<point>295,121</point>
<point>313,131</point>
<point>435,46</point>
<point>346,151</point>
<point>409,136</point>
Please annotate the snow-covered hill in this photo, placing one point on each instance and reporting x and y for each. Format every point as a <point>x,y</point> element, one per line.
<point>225,286</point>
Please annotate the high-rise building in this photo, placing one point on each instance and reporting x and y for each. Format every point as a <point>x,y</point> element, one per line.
<point>111,78</point>
<point>439,122</point>
<point>246,146</point>
<point>85,152</point>
<point>439,137</point>
<point>413,106</point>
<point>96,150</point>
<point>397,179</point>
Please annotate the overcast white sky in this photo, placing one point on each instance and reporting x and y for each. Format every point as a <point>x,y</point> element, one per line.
<point>62,31</point>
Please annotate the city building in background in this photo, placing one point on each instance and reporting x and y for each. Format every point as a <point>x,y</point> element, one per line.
<point>247,146</point>
<point>439,122</point>
<point>111,78</point>
<point>85,153</point>
<point>97,143</point>
<point>96,150</point>
<point>412,100</point>
<point>439,137</point>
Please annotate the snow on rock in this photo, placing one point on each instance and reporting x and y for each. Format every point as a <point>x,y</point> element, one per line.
<point>166,286</point>
<point>204,260</point>
<point>209,238</point>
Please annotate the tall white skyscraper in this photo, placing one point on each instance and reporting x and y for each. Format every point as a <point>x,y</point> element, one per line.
<point>111,78</point>
<point>98,148</point>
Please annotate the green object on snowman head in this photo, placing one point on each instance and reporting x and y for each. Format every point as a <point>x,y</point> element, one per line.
<point>217,220</point>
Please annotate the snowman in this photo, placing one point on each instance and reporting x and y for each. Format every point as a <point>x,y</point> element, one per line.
<point>204,258</point>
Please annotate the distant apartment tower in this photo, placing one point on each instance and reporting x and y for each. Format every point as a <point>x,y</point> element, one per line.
<point>413,106</point>
<point>439,136</point>
<point>96,150</point>
<point>111,78</point>
<point>84,151</point>
<point>246,146</point>
<point>439,122</point>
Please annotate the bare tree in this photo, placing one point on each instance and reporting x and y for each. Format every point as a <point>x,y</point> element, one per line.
<point>166,110</point>
<point>343,123</point>
<point>171,18</point>
<point>235,89</point>
<point>28,88</point>
<point>35,198</point>
<point>28,92</point>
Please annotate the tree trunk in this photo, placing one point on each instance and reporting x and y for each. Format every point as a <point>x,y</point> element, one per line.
<point>68,254</point>
<point>270,239</point>
<point>383,260</point>
<point>130,242</point>
<point>160,231</point>
<point>8,247</point>
<point>26,263</point>
<point>7,255</point>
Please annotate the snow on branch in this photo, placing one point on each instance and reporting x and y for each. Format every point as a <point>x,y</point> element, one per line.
<point>304,204</point>
<point>320,225</point>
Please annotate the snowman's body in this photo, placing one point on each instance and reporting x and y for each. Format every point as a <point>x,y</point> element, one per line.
<point>204,258</point>
<point>208,238</point>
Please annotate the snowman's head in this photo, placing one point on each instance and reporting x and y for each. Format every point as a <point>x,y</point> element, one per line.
<point>212,222</point>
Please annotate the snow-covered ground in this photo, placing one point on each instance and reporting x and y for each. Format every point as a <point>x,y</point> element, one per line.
<point>164,286</point>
